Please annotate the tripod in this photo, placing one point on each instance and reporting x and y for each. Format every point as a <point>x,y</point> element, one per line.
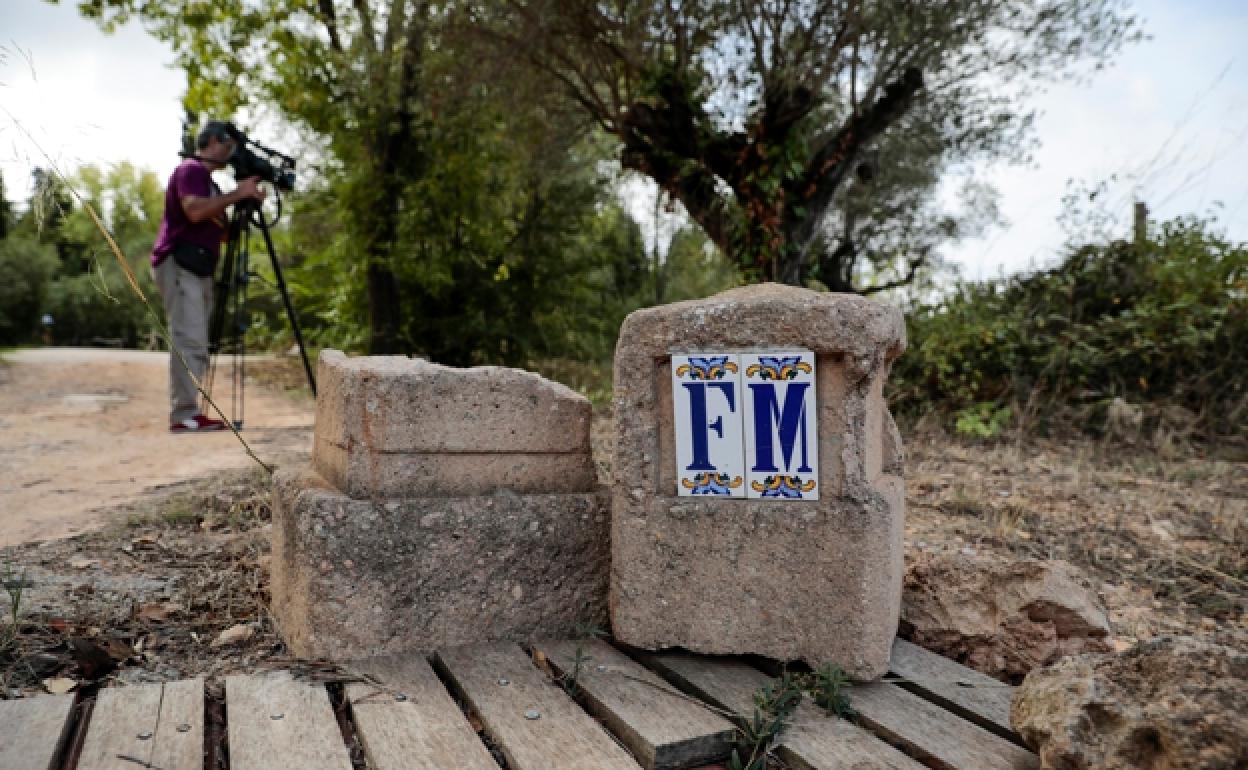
<point>229,324</point>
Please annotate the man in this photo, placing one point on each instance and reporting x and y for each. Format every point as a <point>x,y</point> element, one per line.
<point>187,247</point>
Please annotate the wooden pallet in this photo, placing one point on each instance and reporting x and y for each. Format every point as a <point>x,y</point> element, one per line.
<point>469,705</point>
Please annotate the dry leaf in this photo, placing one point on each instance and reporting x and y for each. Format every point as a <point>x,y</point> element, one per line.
<point>83,563</point>
<point>93,659</point>
<point>119,650</point>
<point>59,685</point>
<point>158,612</point>
<point>234,635</point>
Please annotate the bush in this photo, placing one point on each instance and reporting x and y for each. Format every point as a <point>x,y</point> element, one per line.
<point>1165,323</point>
<point>26,267</point>
<point>100,307</point>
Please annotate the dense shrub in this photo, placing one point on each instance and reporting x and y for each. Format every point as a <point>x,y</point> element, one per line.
<point>100,308</point>
<point>1163,323</point>
<point>26,267</point>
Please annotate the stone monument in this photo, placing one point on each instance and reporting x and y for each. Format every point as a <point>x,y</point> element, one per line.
<point>443,507</point>
<point>757,500</point>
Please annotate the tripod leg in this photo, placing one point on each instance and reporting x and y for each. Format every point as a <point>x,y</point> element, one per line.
<point>228,304</point>
<point>225,283</point>
<point>290,308</point>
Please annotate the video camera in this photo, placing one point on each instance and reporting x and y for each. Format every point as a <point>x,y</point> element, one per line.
<point>278,169</point>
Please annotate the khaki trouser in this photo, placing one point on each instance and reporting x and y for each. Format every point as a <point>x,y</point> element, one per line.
<point>188,304</point>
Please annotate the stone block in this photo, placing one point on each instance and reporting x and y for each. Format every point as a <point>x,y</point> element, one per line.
<point>815,580</point>
<point>390,427</point>
<point>357,578</point>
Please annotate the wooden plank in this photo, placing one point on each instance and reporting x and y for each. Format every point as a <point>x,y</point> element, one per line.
<point>409,722</point>
<point>813,741</point>
<point>661,726</point>
<point>123,725</point>
<point>179,740</point>
<point>973,695</point>
<point>140,725</point>
<point>562,737</point>
<point>277,723</point>
<point>31,730</point>
<point>939,737</point>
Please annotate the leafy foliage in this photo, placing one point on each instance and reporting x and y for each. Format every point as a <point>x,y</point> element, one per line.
<point>27,267</point>
<point>1166,321</point>
<point>828,684</point>
<point>774,706</point>
<point>60,264</point>
<point>455,211</point>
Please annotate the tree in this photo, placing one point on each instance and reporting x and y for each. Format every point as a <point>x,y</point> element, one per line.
<point>27,265</point>
<point>353,75</point>
<point>6,211</point>
<point>798,133</point>
<point>440,164</point>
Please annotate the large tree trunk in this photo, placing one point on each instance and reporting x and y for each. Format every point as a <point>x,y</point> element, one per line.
<point>384,312</point>
<point>397,154</point>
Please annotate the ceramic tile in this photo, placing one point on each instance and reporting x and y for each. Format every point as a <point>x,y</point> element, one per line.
<point>707,409</point>
<point>780,430</point>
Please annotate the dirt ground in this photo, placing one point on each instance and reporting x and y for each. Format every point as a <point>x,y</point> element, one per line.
<point>173,581</point>
<point>83,431</point>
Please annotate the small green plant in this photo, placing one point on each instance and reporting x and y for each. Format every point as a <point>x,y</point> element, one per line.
<point>180,515</point>
<point>828,685</point>
<point>984,420</point>
<point>14,584</point>
<point>571,681</point>
<point>773,710</point>
<point>775,704</point>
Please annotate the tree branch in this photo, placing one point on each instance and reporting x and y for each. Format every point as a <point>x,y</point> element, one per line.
<point>394,22</point>
<point>330,19</point>
<point>366,25</point>
<point>915,265</point>
<point>831,163</point>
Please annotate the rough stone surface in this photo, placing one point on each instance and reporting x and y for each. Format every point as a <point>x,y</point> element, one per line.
<point>816,581</point>
<point>1171,702</point>
<point>390,426</point>
<point>356,578</point>
<point>1000,616</point>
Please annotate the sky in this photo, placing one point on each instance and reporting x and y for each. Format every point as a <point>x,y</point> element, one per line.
<point>1167,123</point>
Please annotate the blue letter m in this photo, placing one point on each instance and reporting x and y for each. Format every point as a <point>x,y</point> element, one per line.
<point>788,419</point>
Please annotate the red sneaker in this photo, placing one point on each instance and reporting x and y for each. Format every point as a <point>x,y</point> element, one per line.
<point>198,423</point>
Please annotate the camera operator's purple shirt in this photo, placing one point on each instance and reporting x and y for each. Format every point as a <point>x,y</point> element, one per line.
<point>189,178</point>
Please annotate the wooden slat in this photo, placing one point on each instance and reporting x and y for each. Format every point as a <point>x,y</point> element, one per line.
<point>122,728</point>
<point>940,737</point>
<point>563,737</point>
<point>179,740</point>
<point>304,735</point>
<point>813,741</point>
<point>31,729</point>
<point>131,726</point>
<point>423,731</point>
<point>949,684</point>
<point>662,727</point>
